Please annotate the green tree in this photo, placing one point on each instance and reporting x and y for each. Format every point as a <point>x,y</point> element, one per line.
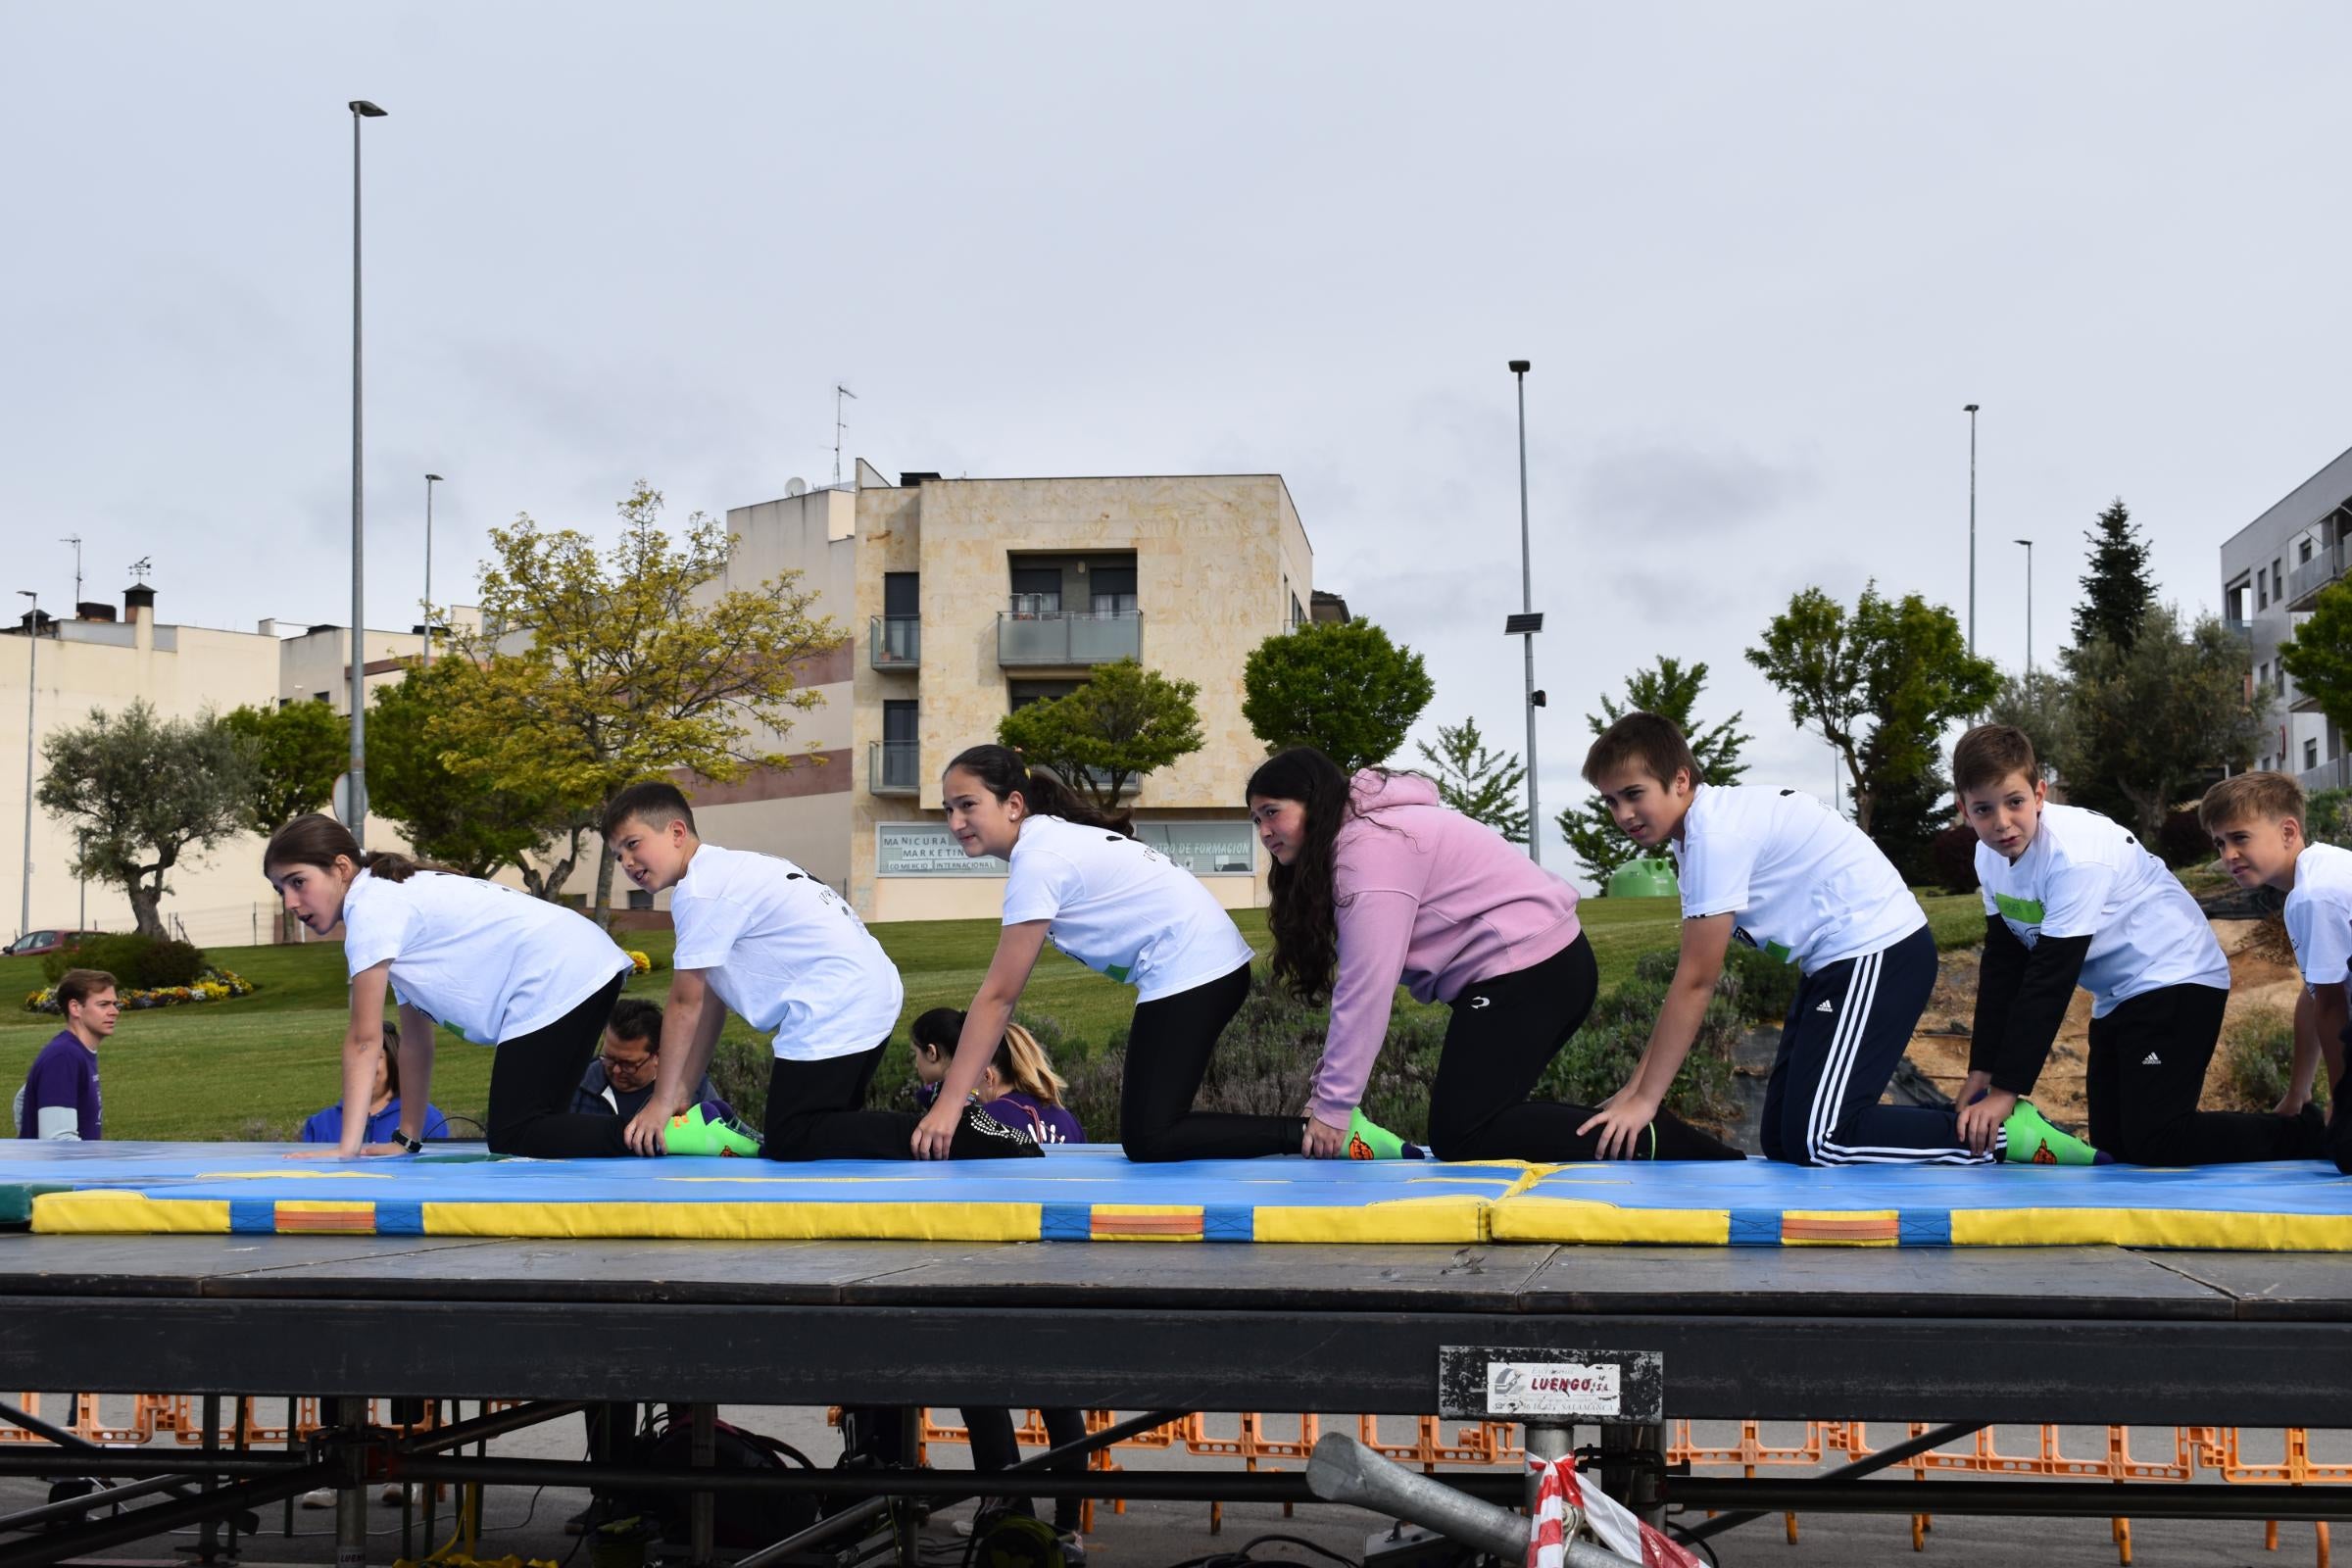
<point>2152,720</point>
<point>1342,687</point>
<point>1124,722</point>
<point>597,670</point>
<point>296,750</point>
<point>2318,656</point>
<point>1880,684</point>
<point>142,795</point>
<point>1483,786</point>
<point>459,817</point>
<point>1671,690</point>
<point>2117,592</point>
<point>2040,703</point>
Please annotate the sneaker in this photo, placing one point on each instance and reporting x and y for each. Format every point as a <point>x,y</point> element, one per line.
<point>318,1497</point>
<point>1369,1140</point>
<point>1073,1548</point>
<point>2029,1140</point>
<point>705,1130</point>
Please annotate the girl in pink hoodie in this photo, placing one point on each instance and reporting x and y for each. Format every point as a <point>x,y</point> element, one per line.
<point>1375,880</point>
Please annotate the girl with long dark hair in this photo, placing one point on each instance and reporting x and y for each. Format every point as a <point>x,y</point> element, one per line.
<point>1123,909</point>
<point>1376,885</point>
<point>503,968</point>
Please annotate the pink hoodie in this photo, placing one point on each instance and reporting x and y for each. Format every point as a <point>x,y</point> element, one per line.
<point>1428,899</point>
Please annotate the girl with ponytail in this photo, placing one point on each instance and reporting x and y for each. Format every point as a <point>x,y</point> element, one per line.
<point>1376,885</point>
<point>1020,1088</point>
<point>1123,909</point>
<point>501,967</point>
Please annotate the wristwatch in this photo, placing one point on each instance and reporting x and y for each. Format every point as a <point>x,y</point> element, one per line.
<point>414,1146</point>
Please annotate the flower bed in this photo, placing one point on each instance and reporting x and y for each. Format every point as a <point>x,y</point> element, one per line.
<point>216,985</point>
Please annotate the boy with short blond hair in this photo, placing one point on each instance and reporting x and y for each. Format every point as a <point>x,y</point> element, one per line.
<point>1777,869</point>
<point>2257,825</point>
<point>2073,898</point>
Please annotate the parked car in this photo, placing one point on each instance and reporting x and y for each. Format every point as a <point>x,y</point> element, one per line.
<point>32,944</point>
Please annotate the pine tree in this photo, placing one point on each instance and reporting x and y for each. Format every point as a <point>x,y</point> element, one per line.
<point>2117,592</point>
<point>1482,785</point>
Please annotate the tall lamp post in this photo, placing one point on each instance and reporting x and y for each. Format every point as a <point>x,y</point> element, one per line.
<point>1971,411</point>
<point>2028,544</point>
<point>356,796</point>
<point>32,653</point>
<point>1526,625</point>
<point>430,480</point>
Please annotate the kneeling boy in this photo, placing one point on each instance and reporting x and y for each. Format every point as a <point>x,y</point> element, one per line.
<point>762,936</point>
<point>2256,820</point>
<point>2073,898</point>
<point>1781,871</point>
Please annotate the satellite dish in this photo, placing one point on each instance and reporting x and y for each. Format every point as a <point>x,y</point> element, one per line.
<point>795,487</point>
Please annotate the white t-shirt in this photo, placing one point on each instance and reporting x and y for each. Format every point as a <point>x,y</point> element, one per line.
<point>2319,914</point>
<point>2085,875</point>
<point>490,961</point>
<point>1804,883</point>
<point>1120,907</point>
<point>785,951</point>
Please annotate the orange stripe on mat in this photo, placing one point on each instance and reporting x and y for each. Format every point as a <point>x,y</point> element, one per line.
<point>357,1220</point>
<point>1145,1224</point>
<point>1865,1228</point>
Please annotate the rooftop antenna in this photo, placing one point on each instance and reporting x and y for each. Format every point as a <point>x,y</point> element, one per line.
<point>839,392</point>
<point>140,568</point>
<point>74,540</point>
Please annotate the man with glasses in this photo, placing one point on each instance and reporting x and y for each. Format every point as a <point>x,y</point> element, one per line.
<point>621,1078</point>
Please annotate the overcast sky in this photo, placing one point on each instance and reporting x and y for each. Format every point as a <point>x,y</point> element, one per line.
<point>1760,254</point>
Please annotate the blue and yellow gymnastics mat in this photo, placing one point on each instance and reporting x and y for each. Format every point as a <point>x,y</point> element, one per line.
<point>1092,1193</point>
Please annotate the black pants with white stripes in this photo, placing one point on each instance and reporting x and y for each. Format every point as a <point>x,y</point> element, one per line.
<point>1845,1034</point>
<point>2146,1069</point>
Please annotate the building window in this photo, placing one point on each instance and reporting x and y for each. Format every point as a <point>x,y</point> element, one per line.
<point>1024,692</point>
<point>2262,591</point>
<point>2302,549</point>
<point>901,593</point>
<point>1111,591</point>
<point>1037,590</point>
<point>640,899</point>
<point>1297,614</point>
<point>2311,755</point>
<point>2277,581</point>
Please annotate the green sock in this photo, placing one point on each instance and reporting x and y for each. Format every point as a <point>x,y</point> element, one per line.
<point>2032,1140</point>
<point>1368,1139</point>
<point>695,1132</point>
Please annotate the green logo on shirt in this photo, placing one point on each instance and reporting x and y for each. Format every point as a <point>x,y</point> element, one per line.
<point>2025,912</point>
<point>1117,971</point>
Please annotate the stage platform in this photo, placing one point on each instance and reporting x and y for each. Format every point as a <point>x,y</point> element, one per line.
<point>1094,1194</point>
<point>2074,1333</point>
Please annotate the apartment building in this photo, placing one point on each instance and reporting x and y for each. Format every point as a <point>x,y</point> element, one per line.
<point>966,599</point>
<point>2272,572</point>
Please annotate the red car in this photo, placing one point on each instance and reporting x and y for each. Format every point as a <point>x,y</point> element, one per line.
<point>32,944</point>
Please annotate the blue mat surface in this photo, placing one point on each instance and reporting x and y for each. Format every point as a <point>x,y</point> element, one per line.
<point>1092,1193</point>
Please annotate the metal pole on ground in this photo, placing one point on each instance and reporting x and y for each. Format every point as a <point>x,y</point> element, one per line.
<point>32,655</point>
<point>1971,411</point>
<point>2028,544</point>
<point>351,1487</point>
<point>1528,623</point>
<point>430,480</point>
<point>360,109</point>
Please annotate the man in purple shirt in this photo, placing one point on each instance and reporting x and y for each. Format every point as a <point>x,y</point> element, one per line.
<point>60,1097</point>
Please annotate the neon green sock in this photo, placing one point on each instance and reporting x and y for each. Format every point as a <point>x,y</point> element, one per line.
<point>1368,1139</point>
<point>2032,1140</point>
<point>697,1133</point>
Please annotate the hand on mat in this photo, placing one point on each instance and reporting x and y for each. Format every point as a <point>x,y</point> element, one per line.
<point>644,1132</point>
<point>1981,1119</point>
<point>1323,1141</point>
<point>935,1134</point>
<point>1622,1121</point>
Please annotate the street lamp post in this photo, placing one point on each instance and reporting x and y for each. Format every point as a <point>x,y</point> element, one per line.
<point>430,480</point>
<point>2028,544</point>
<point>32,653</point>
<point>1971,412</point>
<point>355,797</point>
<point>1526,625</point>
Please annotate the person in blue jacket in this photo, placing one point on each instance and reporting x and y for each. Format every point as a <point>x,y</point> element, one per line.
<point>383,1104</point>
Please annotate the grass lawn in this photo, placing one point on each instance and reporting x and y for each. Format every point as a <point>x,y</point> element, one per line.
<point>257,1066</point>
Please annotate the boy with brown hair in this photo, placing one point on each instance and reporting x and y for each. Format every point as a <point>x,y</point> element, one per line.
<point>2073,898</point>
<point>1777,869</point>
<point>2256,820</point>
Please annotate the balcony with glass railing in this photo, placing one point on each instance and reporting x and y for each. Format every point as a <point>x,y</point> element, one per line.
<point>894,767</point>
<point>2303,584</point>
<point>896,642</point>
<point>1068,637</point>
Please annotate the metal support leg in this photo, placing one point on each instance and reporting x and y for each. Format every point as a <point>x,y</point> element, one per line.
<point>1545,1442</point>
<point>208,1537</point>
<point>351,1488</point>
<point>702,1511</point>
<point>909,1531</point>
